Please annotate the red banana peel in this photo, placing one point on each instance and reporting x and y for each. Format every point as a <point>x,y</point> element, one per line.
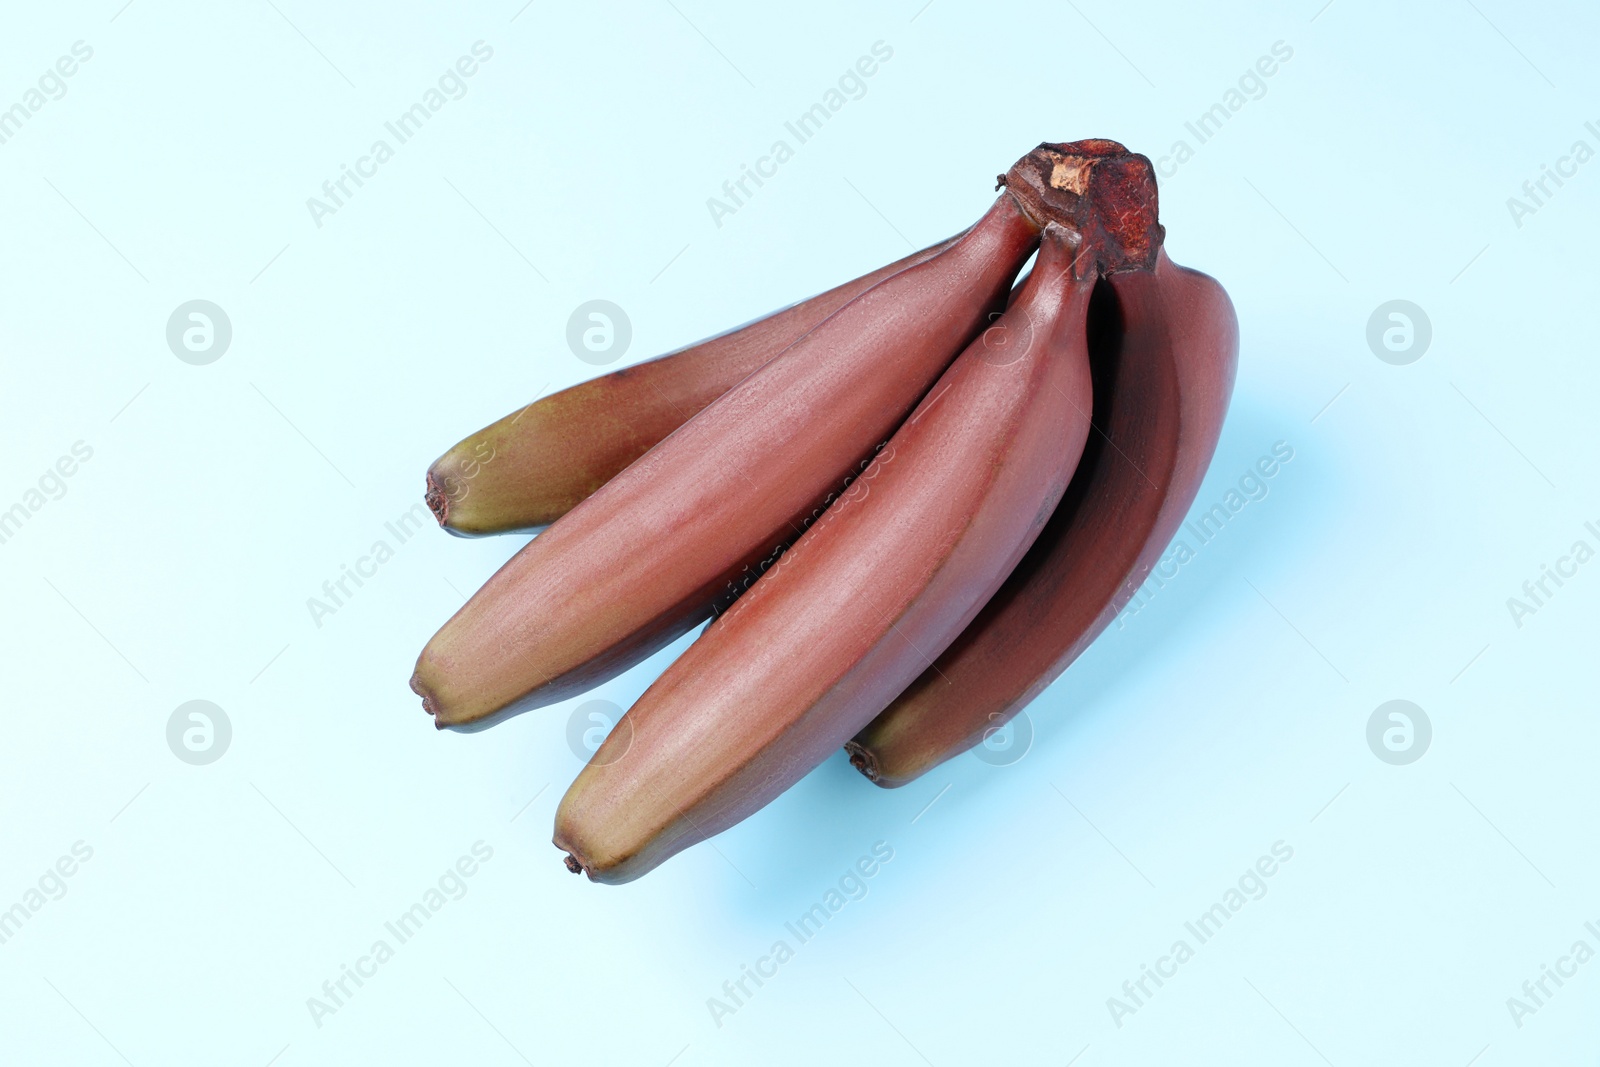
<point>642,560</point>
<point>887,577</point>
<point>539,462</point>
<point>1161,388</point>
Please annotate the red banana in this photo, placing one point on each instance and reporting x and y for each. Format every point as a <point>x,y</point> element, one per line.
<point>642,560</point>
<point>536,464</point>
<point>888,576</point>
<point>1161,388</point>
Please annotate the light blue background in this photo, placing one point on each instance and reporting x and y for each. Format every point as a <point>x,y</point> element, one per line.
<point>1228,715</point>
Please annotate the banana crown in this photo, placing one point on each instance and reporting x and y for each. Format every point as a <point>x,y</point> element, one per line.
<point>1098,188</point>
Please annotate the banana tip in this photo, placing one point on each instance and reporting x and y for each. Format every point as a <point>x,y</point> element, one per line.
<point>572,863</point>
<point>429,705</point>
<point>437,500</point>
<point>862,760</point>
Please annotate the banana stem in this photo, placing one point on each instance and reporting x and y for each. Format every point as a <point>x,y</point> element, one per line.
<point>1098,188</point>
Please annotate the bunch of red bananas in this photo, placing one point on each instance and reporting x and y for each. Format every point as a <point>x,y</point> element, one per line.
<point>907,504</point>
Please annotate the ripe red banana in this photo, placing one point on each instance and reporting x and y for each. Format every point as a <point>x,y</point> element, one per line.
<point>536,464</point>
<point>888,576</point>
<point>1161,386</point>
<point>642,560</point>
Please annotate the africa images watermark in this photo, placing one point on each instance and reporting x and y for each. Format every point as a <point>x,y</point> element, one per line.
<point>1137,992</point>
<point>1538,191</point>
<point>1203,527</point>
<point>402,529</point>
<point>1536,992</point>
<point>853,489</point>
<point>199,332</point>
<point>1537,591</point>
<point>1252,85</point>
<point>337,992</point>
<point>454,485</point>
<point>52,485</point>
<point>336,191</point>
<point>199,732</point>
<point>51,885</point>
<point>852,885</point>
<point>52,82</point>
<point>736,192</point>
